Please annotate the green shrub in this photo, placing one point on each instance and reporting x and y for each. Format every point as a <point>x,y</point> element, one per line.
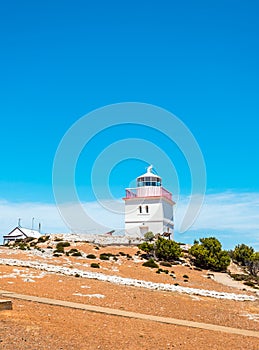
<point>185,276</point>
<point>43,239</point>
<point>91,256</point>
<point>28,239</point>
<point>59,250</point>
<point>249,283</point>
<point>165,263</point>
<point>242,253</point>
<point>56,254</point>
<point>62,245</point>
<point>95,265</point>
<point>239,277</point>
<point>73,250</point>
<point>166,249</point>
<point>77,275</point>
<point>76,254</point>
<point>209,255</point>
<point>122,254</point>
<point>149,236</point>
<point>150,263</point>
<point>146,247</point>
<point>104,257</point>
<point>197,268</point>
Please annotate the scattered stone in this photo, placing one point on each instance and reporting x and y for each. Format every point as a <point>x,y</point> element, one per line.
<point>126,281</point>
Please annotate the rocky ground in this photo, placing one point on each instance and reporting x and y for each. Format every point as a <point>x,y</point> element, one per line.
<point>36,326</point>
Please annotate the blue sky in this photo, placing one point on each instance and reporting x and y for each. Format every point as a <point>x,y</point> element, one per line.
<point>62,59</point>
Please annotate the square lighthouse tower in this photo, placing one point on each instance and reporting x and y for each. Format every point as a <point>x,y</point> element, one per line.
<point>149,207</point>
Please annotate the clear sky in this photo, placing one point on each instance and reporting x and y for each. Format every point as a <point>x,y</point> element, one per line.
<point>197,59</point>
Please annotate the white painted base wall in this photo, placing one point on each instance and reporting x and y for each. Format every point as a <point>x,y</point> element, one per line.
<point>158,219</point>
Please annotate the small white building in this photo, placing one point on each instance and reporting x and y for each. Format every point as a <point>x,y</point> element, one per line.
<point>149,207</point>
<point>20,233</point>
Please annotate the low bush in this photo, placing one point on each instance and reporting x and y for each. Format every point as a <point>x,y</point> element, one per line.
<point>208,254</point>
<point>185,276</point>
<point>73,250</point>
<point>150,263</point>
<point>249,284</point>
<point>239,277</point>
<point>43,239</point>
<point>59,250</point>
<point>91,256</point>
<point>76,254</point>
<point>104,257</point>
<point>28,239</point>
<point>146,247</point>
<point>62,244</point>
<point>95,265</point>
<point>56,255</point>
<point>165,263</point>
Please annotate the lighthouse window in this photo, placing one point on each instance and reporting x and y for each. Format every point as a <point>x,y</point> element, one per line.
<point>146,208</point>
<point>140,209</point>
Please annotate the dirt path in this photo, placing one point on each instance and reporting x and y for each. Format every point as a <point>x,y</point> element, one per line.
<point>128,314</point>
<point>226,280</point>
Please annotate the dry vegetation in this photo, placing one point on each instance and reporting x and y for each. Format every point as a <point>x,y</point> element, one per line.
<point>35,326</point>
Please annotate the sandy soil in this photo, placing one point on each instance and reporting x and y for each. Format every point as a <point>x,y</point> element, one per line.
<point>35,326</point>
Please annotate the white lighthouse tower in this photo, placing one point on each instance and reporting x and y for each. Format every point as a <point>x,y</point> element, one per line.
<point>149,207</point>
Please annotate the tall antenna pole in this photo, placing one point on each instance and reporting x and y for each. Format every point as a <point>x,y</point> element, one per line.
<point>32,223</point>
<point>19,222</point>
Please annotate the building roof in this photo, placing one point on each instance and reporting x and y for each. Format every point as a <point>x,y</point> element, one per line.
<point>26,231</point>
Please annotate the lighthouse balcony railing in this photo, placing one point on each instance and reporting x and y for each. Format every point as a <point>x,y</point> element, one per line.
<point>148,191</point>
